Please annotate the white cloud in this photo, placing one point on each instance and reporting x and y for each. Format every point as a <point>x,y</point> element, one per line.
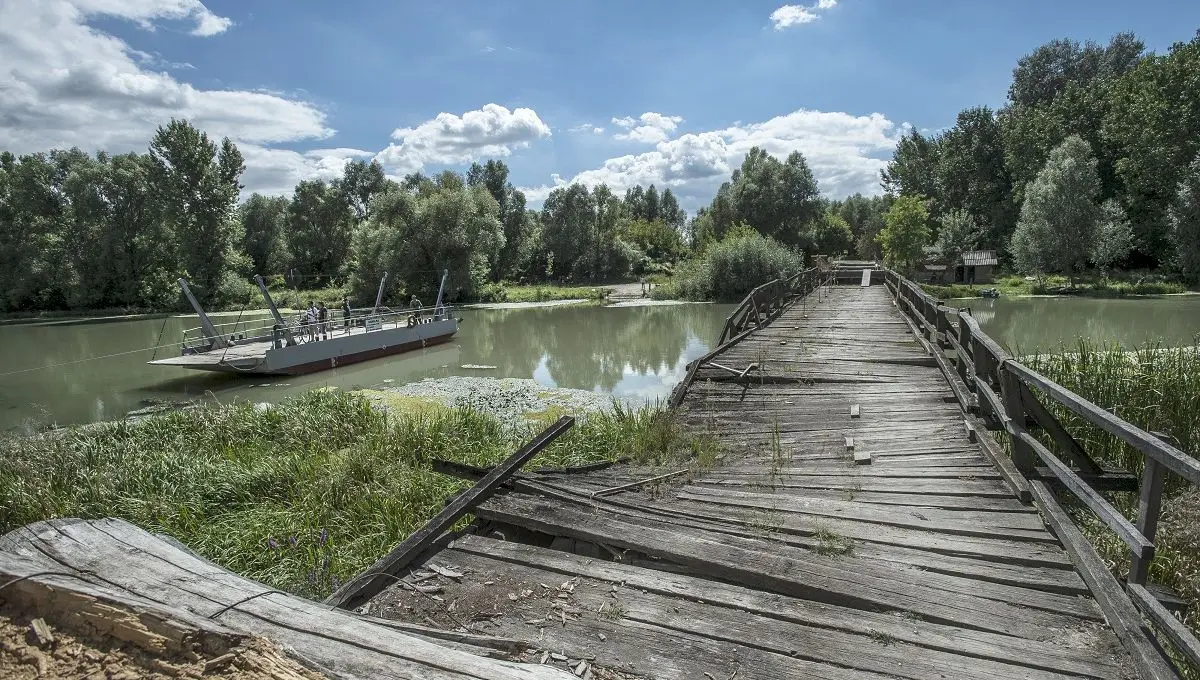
<point>278,171</point>
<point>840,148</point>
<point>587,128</point>
<point>145,12</point>
<point>648,128</point>
<point>448,139</point>
<point>65,83</point>
<point>798,15</point>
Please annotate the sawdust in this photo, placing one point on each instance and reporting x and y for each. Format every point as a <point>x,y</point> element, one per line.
<point>63,655</point>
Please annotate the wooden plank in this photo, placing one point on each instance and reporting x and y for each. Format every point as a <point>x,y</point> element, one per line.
<point>1062,439</point>
<point>759,564</point>
<point>862,457</point>
<point>378,576</point>
<point>1175,460</point>
<point>1012,477</point>
<point>1180,635</point>
<point>1122,527</point>
<point>855,410</point>
<point>1120,613</point>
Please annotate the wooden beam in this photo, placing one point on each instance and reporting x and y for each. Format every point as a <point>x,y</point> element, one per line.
<point>1175,460</point>
<point>641,482</point>
<point>1125,621</point>
<point>1112,517</point>
<point>378,576</point>
<point>1062,439</point>
<point>1180,636</point>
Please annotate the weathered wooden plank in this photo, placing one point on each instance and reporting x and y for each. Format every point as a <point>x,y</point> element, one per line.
<point>817,577</point>
<point>364,586</point>
<point>1120,613</point>
<point>1180,635</point>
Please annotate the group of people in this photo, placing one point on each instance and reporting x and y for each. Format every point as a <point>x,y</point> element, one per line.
<point>315,323</point>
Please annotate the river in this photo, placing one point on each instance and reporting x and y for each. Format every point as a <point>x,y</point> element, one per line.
<point>1035,324</point>
<point>48,373</point>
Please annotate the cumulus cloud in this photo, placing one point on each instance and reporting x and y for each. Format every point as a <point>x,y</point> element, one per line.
<point>278,171</point>
<point>648,128</point>
<point>68,84</point>
<point>798,15</point>
<point>448,139</point>
<point>842,149</point>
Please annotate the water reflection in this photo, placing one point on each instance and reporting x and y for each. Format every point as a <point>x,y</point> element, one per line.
<point>1038,324</point>
<point>637,352</point>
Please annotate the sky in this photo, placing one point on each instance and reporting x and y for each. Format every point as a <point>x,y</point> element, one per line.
<point>615,91</point>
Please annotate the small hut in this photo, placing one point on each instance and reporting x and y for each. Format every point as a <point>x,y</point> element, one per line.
<point>976,266</point>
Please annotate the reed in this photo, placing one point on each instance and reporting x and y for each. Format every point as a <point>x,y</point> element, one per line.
<point>1158,389</point>
<point>302,495</point>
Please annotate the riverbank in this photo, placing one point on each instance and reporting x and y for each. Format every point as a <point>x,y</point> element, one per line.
<point>1016,286</point>
<point>304,494</point>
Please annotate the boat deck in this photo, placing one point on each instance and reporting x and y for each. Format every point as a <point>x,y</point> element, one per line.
<point>250,354</point>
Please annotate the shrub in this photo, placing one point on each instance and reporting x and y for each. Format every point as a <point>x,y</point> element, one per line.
<point>732,267</point>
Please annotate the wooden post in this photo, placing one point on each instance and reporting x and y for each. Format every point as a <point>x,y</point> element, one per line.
<point>964,341</point>
<point>378,576</point>
<point>1149,506</point>
<point>1022,454</point>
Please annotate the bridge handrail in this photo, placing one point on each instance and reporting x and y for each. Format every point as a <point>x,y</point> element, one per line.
<point>759,307</point>
<point>1003,394</point>
<point>266,328</point>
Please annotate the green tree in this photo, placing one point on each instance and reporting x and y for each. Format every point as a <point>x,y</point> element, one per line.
<point>361,182</point>
<point>913,168</point>
<point>958,234</point>
<point>199,186</point>
<point>671,213</point>
<point>906,231</point>
<point>971,175</point>
<point>1114,236</point>
<point>319,225</point>
<point>263,219</point>
<point>1184,215</point>
<point>1154,126</point>
<point>830,234</point>
<point>1058,219</point>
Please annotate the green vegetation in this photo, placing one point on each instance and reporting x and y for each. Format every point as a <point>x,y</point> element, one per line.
<point>906,233</point>
<point>303,495</point>
<point>1085,169</point>
<point>1060,285</point>
<point>510,292</point>
<point>831,544</point>
<point>730,268</point>
<point>1157,389</point>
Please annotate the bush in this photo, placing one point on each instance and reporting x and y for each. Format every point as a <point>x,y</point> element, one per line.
<point>732,267</point>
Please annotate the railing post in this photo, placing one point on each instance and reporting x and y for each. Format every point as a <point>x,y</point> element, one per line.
<point>1149,506</point>
<point>941,321</point>
<point>964,341</point>
<point>1022,454</point>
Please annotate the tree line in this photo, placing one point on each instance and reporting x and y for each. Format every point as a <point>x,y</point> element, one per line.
<point>80,231</point>
<point>1092,164</point>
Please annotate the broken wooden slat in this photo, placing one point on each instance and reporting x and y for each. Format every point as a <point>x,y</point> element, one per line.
<point>378,576</point>
<point>633,485</point>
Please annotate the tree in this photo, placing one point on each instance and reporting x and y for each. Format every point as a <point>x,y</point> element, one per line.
<point>1114,236</point>
<point>263,219</point>
<point>199,186</point>
<point>958,234</point>
<point>360,182</point>
<point>319,225</point>
<point>1043,74</point>
<point>1184,217</point>
<point>906,232</point>
<point>651,207</point>
<point>830,235</point>
<point>971,175</point>
<point>671,213</point>
<point>913,168</point>
<point>1154,126</point>
<point>1058,220</point>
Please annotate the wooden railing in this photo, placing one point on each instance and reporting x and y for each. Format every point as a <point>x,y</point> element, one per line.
<point>758,308</point>
<point>1007,397</point>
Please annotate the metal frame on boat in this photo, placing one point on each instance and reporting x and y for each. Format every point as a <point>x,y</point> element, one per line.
<point>294,346</point>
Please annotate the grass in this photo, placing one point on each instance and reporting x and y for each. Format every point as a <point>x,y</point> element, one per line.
<point>832,544</point>
<point>510,292</point>
<point>1060,285</point>
<point>303,495</point>
<point>1157,389</point>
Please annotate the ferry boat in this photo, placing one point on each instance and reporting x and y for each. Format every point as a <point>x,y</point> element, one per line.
<point>293,347</point>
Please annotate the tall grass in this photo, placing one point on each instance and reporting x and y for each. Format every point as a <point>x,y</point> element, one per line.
<point>300,496</point>
<point>1158,389</point>
<point>729,269</point>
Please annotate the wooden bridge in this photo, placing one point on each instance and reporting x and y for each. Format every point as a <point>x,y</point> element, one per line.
<point>862,522</point>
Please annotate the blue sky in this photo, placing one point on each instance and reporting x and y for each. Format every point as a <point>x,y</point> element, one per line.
<point>680,90</point>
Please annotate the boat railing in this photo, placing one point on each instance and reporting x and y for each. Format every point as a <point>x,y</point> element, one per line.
<point>369,319</point>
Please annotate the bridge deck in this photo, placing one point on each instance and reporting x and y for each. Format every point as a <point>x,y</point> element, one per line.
<point>787,560</point>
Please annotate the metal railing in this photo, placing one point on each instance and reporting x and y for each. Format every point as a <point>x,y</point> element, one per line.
<point>1007,395</point>
<point>267,330</point>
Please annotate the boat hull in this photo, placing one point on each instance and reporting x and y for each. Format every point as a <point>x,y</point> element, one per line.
<point>365,355</point>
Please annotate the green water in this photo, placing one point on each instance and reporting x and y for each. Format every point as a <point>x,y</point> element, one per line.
<point>630,352</point>
<point>1030,324</point>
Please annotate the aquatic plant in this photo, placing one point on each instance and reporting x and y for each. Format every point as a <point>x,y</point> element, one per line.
<point>303,495</point>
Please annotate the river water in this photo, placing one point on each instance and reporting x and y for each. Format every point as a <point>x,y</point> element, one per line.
<point>636,353</point>
<point>1034,324</point>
